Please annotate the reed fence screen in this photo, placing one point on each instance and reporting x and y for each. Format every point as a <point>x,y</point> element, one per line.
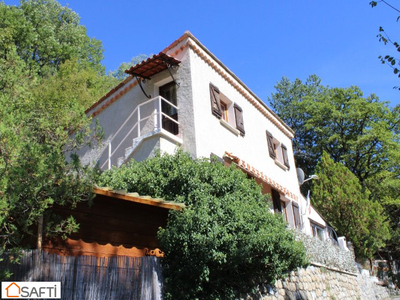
<point>92,278</point>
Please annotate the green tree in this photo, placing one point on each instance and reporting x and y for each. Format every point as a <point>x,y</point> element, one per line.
<point>50,72</point>
<point>45,34</point>
<point>288,103</point>
<point>225,241</point>
<point>35,132</point>
<point>338,195</point>
<point>362,133</point>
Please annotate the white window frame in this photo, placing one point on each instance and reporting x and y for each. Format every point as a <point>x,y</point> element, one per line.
<point>279,154</point>
<point>229,124</point>
<point>315,229</point>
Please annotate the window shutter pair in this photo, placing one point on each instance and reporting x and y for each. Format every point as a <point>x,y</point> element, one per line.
<point>216,108</point>
<point>271,150</point>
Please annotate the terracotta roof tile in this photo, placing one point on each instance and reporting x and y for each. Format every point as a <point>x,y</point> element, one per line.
<point>152,65</point>
<point>247,168</point>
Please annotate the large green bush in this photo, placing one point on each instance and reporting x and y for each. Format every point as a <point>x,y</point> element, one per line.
<point>225,241</point>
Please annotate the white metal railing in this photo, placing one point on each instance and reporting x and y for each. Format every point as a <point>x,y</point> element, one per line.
<point>144,119</point>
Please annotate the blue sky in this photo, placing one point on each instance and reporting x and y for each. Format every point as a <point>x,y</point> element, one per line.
<point>259,40</point>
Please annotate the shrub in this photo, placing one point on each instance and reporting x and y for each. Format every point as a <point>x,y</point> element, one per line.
<point>225,241</point>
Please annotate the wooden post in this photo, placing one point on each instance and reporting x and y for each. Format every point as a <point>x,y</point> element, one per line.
<point>40,233</point>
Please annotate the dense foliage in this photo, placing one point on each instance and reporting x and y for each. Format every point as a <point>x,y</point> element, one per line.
<point>361,133</point>
<point>338,195</point>
<point>225,241</point>
<point>50,72</point>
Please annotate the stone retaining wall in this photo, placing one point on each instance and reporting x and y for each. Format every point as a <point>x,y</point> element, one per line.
<point>318,282</point>
<point>327,254</point>
<point>332,275</point>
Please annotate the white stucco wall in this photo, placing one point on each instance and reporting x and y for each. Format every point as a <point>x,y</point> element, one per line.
<point>114,115</point>
<point>110,120</point>
<point>213,137</point>
<point>309,215</point>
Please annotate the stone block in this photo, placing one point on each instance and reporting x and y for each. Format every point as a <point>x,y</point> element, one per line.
<point>300,272</point>
<point>313,295</point>
<point>292,287</point>
<point>278,284</point>
<point>304,295</point>
<point>290,296</point>
<point>318,292</point>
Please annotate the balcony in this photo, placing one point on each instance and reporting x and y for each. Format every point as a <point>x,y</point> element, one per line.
<point>156,116</point>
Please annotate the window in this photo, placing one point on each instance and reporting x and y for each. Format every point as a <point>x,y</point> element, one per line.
<point>317,231</point>
<point>279,205</point>
<point>168,92</point>
<point>296,215</point>
<point>277,151</point>
<point>224,109</point>
<point>276,200</point>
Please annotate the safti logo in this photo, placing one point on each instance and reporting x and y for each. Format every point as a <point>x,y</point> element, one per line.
<point>31,290</point>
<point>13,290</point>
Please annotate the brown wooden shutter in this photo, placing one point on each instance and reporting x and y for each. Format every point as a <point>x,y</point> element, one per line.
<point>271,149</point>
<point>285,156</point>
<point>296,215</point>
<point>215,101</point>
<point>239,118</point>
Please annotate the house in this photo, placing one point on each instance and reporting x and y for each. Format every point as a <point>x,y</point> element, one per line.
<point>186,97</point>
